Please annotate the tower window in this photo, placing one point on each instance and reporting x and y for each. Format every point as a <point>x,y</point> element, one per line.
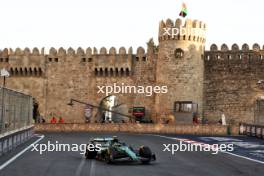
<point>144,59</point>
<point>179,53</point>
<point>185,106</point>
<point>83,59</point>
<point>96,72</point>
<point>90,59</point>
<point>56,60</point>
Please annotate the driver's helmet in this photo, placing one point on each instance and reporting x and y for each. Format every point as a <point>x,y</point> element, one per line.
<point>115,139</point>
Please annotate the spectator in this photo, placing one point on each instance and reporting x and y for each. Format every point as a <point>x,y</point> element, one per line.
<point>53,120</point>
<point>61,120</point>
<point>195,119</point>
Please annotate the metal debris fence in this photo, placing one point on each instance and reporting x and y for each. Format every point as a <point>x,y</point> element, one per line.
<point>15,110</point>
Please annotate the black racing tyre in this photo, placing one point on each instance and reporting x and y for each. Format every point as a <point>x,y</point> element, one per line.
<point>108,159</point>
<point>90,154</point>
<point>145,153</point>
<point>111,155</point>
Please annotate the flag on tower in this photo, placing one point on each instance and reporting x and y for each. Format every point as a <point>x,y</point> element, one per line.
<point>183,12</point>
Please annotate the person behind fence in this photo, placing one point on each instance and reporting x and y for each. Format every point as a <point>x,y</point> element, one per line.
<point>61,120</point>
<point>53,120</point>
<point>195,118</point>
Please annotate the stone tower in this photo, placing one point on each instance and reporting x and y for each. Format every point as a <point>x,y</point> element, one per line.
<point>180,64</point>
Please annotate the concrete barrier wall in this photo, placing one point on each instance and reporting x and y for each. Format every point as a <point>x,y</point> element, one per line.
<point>12,139</point>
<point>140,128</point>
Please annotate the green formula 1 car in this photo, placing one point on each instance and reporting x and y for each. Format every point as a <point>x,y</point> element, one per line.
<point>111,150</point>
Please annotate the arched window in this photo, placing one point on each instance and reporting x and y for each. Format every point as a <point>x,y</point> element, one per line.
<point>122,72</point>
<point>96,72</point>
<point>11,71</point>
<point>111,72</point>
<point>127,72</point>
<point>21,71</point>
<point>30,71</point>
<point>35,72</point>
<point>16,71</point>
<point>116,71</point>
<point>40,72</point>
<point>106,72</point>
<point>101,73</point>
<point>179,53</point>
<point>26,72</point>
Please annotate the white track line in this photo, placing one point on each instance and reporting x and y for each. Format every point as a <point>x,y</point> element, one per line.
<point>80,167</point>
<point>184,140</point>
<point>92,169</point>
<point>20,153</point>
<point>261,162</point>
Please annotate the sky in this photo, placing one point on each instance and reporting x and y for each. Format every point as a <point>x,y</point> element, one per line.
<point>107,23</point>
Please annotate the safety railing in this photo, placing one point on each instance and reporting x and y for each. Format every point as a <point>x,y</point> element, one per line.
<point>252,130</point>
<point>15,110</point>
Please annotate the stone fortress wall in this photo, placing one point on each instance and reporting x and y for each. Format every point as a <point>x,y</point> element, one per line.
<point>233,82</point>
<point>218,80</point>
<point>56,77</point>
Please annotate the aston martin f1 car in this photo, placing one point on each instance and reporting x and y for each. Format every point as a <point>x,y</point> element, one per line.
<point>113,151</point>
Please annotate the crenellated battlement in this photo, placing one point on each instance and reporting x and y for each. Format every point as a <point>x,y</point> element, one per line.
<point>113,61</point>
<point>235,48</point>
<point>22,52</point>
<point>188,30</point>
<point>90,51</point>
<point>235,54</point>
<point>70,51</point>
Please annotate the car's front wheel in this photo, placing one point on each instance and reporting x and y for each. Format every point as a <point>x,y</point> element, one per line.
<point>145,154</point>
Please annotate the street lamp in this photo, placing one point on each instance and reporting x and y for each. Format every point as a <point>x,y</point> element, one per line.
<point>4,73</point>
<point>70,103</point>
<point>98,107</point>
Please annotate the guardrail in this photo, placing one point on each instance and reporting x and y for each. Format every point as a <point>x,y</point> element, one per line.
<point>251,130</point>
<point>12,139</point>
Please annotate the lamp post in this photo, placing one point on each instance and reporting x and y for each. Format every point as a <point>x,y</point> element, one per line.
<point>98,107</point>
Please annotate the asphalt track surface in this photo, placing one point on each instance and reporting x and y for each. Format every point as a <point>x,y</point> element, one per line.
<point>31,163</point>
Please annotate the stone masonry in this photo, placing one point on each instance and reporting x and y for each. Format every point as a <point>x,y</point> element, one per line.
<point>218,81</point>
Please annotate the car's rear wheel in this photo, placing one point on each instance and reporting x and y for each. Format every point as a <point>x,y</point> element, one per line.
<point>90,154</point>
<point>146,154</point>
<point>108,159</point>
